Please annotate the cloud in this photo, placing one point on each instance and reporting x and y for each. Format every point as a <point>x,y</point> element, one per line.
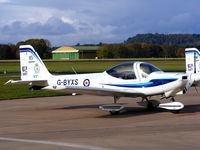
<point>53,26</point>
<point>58,30</point>
<point>4,1</point>
<point>66,22</point>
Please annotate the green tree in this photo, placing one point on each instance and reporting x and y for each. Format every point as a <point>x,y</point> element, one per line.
<point>42,46</point>
<point>5,52</point>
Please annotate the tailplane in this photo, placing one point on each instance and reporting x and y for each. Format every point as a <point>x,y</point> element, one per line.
<point>32,67</point>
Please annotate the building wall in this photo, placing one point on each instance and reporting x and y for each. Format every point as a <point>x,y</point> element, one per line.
<point>87,54</point>
<point>65,55</point>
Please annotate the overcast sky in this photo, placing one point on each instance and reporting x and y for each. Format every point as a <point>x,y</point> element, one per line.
<point>68,22</point>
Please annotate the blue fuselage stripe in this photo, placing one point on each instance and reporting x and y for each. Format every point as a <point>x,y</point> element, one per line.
<point>151,83</point>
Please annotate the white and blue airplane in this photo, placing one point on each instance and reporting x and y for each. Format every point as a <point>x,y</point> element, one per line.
<point>131,79</point>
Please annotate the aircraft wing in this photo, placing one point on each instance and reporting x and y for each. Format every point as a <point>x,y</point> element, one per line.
<point>30,82</point>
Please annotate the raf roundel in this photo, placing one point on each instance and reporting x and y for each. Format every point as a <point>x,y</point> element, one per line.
<point>86,82</point>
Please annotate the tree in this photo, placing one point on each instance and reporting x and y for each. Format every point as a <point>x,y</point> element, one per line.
<point>180,52</point>
<point>42,46</point>
<point>14,51</point>
<point>5,52</point>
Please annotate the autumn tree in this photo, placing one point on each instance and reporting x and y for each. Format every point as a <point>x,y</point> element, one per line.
<point>180,52</point>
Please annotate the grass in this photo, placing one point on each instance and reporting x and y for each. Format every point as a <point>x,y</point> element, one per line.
<point>21,91</point>
<point>92,66</point>
<point>12,68</point>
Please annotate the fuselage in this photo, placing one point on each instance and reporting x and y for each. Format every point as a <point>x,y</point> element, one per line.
<point>129,79</point>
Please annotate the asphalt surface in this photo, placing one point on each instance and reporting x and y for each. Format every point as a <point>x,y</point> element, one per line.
<point>76,123</point>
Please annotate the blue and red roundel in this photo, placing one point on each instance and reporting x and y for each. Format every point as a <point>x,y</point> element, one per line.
<point>86,82</point>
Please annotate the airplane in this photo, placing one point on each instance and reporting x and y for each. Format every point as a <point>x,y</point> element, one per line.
<point>130,79</point>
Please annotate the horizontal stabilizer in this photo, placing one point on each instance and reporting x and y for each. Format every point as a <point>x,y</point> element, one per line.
<point>30,82</point>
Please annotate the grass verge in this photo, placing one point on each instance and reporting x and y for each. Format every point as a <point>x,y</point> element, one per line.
<point>21,91</point>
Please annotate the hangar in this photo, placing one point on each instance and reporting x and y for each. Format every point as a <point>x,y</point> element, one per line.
<point>65,52</point>
<point>75,52</point>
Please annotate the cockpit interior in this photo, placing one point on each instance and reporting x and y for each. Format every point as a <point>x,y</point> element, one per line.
<point>131,70</point>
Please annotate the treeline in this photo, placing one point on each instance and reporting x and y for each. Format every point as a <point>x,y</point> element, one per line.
<point>139,46</point>
<point>151,45</point>
<point>11,51</point>
<point>139,51</point>
<point>170,39</point>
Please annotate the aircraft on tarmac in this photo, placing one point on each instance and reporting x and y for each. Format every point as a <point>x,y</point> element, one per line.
<point>131,79</point>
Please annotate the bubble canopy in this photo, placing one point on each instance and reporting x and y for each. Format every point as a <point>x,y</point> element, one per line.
<point>126,71</point>
<point>148,68</point>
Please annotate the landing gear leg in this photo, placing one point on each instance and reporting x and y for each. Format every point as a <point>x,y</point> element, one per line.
<point>173,99</point>
<point>115,112</point>
<point>116,98</point>
<point>114,108</point>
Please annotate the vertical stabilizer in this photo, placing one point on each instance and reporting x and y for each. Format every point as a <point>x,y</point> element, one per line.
<point>192,60</point>
<point>32,67</point>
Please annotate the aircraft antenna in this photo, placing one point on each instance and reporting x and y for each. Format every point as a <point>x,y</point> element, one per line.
<point>74,70</point>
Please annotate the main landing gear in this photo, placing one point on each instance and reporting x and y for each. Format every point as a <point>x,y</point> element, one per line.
<point>114,108</point>
<point>173,106</point>
<point>151,105</point>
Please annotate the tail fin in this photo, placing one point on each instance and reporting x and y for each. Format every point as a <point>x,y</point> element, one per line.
<point>32,67</point>
<point>192,59</point>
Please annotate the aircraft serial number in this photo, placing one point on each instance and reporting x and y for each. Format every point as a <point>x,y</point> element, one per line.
<point>68,82</point>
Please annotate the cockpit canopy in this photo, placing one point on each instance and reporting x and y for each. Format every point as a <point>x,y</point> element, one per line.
<point>147,69</point>
<point>123,71</point>
<point>127,71</point>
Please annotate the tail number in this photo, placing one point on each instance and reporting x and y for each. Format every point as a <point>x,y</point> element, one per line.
<point>67,82</point>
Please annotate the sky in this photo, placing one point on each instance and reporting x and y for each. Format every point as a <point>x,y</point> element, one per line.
<point>68,22</point>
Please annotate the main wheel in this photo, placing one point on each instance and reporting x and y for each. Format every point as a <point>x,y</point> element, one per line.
<point>150,106</point>
<point>114,112</point>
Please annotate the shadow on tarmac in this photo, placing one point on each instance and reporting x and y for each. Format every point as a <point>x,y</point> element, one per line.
<point>195,108</point>
<point>80,107</point>
<point>134,111</point>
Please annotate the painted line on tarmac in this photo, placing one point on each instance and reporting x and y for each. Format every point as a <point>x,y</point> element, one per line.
<point>188,114</point>
<point>64,144</point>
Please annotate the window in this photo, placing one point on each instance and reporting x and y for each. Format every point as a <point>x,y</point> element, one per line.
<point>147,69</point>
<point>123,71</point>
